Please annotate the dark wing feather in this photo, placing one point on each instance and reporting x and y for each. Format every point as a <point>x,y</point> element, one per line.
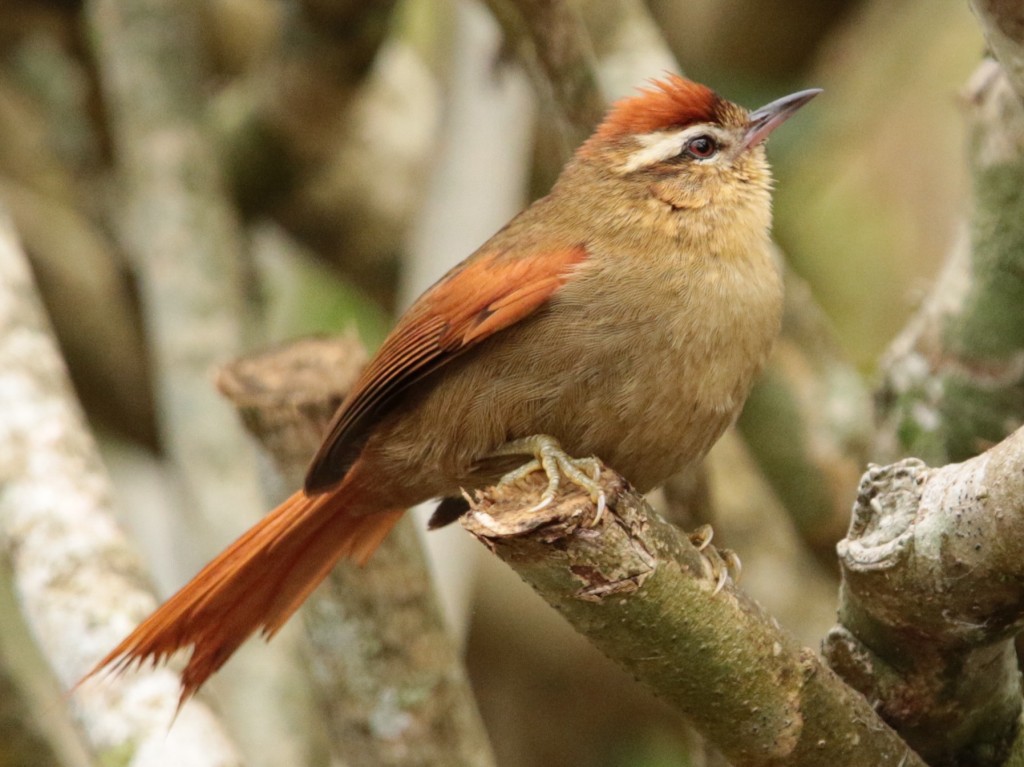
<point>483,295</point>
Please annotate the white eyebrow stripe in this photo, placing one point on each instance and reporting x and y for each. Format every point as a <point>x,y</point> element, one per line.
<point>663,145</point>
<point>656,147</point>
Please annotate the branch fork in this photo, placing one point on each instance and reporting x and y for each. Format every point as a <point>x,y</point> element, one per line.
<point>932,597</point>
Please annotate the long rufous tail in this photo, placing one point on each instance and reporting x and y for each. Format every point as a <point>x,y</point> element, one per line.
<point>256,583</point>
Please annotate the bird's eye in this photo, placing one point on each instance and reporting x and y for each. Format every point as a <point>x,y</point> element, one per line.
<point>701,147</point>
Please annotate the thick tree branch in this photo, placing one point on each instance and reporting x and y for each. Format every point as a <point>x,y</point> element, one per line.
<point>78,581</point>
<point>933,594</point>
<point>637,588</point>
<point>385,669</point>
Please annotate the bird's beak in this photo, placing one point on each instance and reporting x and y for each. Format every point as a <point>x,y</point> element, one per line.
<point>769,117</point>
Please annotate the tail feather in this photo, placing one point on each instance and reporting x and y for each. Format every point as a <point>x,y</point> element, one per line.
<point>254,584</point>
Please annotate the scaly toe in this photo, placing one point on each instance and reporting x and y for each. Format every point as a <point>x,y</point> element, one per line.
<point>523,471</point>
<point>550,458</point>
<point>573,469</point>
<point>722,565</point>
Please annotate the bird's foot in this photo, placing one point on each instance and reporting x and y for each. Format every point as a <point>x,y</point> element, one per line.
<point>549,457</point>
<point>722,564</point>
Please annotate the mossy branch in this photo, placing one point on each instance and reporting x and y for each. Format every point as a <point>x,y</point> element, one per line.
<point>954,378</point>
<point>648,598</point>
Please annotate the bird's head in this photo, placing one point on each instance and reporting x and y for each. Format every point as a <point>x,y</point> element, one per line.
<point>680,144</point>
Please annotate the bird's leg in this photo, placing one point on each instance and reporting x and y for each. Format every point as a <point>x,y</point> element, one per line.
<point>549,457</point>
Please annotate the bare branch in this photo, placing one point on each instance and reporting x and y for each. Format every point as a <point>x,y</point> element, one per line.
<point>641,592</point>
<point>933,595</point>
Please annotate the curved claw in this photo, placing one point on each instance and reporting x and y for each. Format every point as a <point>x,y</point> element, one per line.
<point>602,504</point>
<point>723,578</point>
<point>545,501</point>
<point>733,564</point>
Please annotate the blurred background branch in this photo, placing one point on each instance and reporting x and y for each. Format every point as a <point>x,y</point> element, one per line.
<point>954,378</point>
<point>78,581</point>
<point>182,234</point>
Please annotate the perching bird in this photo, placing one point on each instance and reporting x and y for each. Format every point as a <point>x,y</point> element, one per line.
<point>625,315</point>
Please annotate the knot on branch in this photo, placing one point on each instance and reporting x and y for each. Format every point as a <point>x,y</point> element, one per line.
<point>881,530</point>
<point>938,550</point>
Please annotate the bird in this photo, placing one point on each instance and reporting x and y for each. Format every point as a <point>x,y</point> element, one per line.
<point>625,315</point>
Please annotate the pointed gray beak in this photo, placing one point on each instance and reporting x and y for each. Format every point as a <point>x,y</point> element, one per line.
<point>769,117</point>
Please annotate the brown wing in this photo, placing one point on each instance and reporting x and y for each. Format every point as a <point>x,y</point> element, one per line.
<point>486,293</point>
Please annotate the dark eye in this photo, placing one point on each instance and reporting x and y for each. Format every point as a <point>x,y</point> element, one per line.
<point>701,147</point>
